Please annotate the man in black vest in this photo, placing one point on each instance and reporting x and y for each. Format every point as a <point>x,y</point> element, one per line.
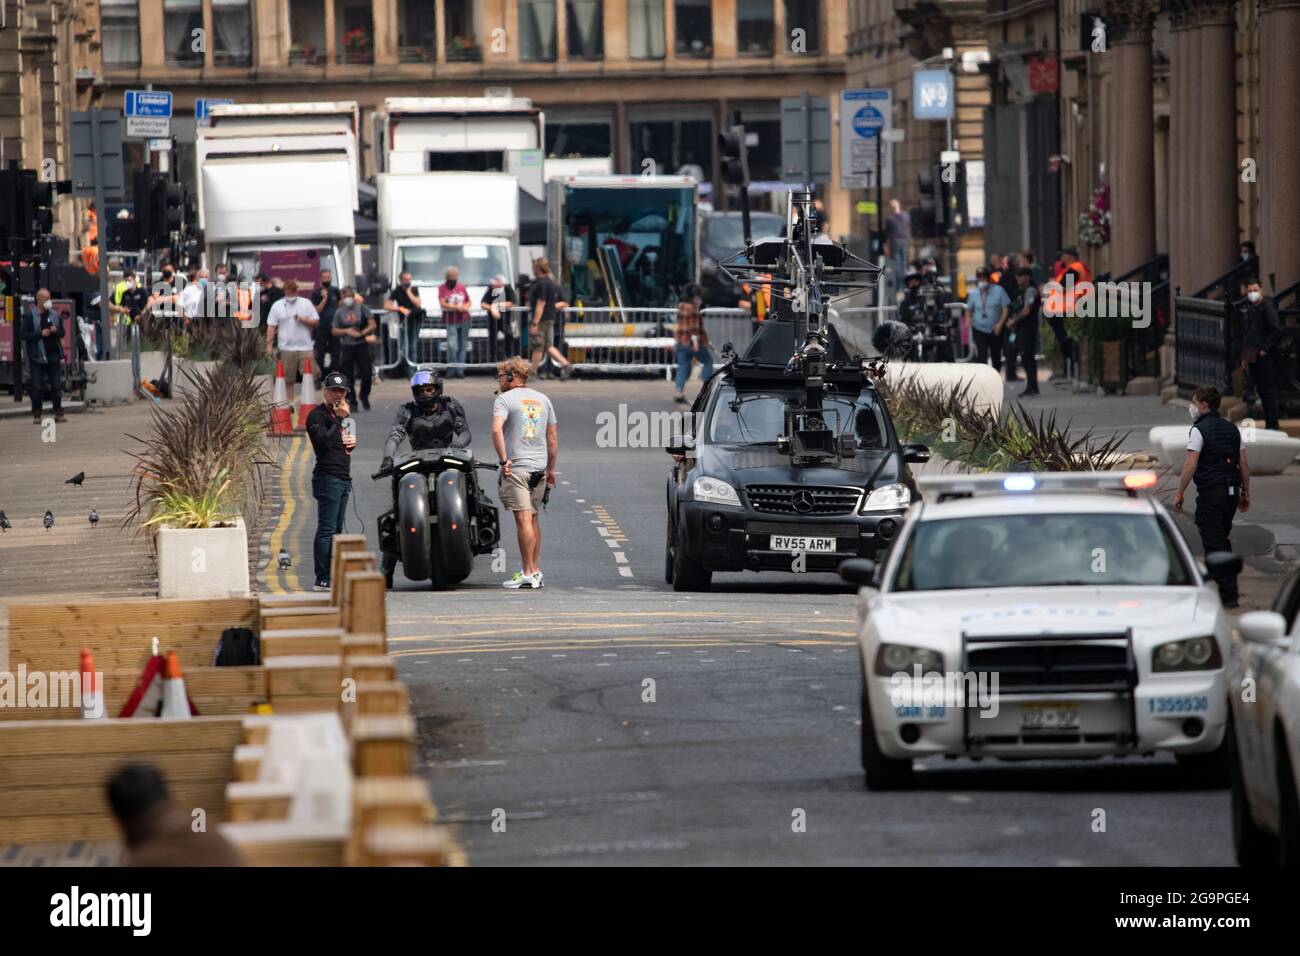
<point>1216,459</point>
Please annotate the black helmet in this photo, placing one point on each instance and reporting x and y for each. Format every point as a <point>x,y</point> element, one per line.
<point>912,274</point>
<point>423,379</point>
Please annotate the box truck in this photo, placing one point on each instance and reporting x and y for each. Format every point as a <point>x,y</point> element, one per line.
<point>277,189</point>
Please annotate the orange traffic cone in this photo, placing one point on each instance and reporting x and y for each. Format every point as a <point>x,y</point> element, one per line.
<point>92,699</point>
<point>307,400</point>
<point>281,413</point>
<point>175,702</point>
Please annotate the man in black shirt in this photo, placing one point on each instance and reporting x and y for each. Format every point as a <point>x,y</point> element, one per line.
<point>498,299</point>
<point>42,333</point>
<point>331,479</point>
<point>1024,324</point>
<point>268,295</point>
<point>326,300</point>
<point>543,297</point>
<point>1261,332</point>
<point>406,300</point>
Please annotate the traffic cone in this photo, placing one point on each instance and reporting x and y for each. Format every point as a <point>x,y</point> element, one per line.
<point>175,702</point>
<point>281,413</point>
<point>146,697</point>
<point>92,695</point>
<point>307,399</point>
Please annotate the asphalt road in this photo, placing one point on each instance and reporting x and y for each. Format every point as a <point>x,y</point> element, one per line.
<point>542,739</point>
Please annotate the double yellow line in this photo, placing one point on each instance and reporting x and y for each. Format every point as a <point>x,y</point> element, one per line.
<point>291,485</point>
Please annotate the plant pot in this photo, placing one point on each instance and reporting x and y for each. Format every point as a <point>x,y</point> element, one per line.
<point>203,562</point>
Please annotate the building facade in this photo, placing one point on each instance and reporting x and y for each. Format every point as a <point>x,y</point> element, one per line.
<point>634,80</point>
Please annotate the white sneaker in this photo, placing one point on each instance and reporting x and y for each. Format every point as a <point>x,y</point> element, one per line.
<point>524,581</point>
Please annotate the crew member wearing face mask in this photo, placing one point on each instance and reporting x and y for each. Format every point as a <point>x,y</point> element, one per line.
<point>432,420</point>
<point>326,300</point>
<point>192,296</point>
<point>291,326</point>
<point>1261,331</point>
<point>131,299</point>
<point>405,300</point>
<point>355,330</point>
<point>1216,460</point>
<point>988,307</point>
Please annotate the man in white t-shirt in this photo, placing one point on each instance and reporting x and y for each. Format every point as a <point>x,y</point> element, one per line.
<point>292,322</point>
<point>192,294</point>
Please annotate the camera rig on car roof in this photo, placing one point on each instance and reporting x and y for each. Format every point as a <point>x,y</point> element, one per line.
<point>797,346</point>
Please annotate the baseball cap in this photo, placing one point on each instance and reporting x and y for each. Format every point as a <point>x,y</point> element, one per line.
<point>334,380</point>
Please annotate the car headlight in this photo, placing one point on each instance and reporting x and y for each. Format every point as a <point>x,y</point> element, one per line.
<point>895,658</point>
<point>715,492</point>
<point>888,498</point>
<point>1190,654</point>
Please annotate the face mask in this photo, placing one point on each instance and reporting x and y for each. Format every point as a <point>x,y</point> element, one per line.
<point>325,283</point>
<point>406,285</point>
<point>168,276</point>
<point>348,301</point>
<point>221,277</point>
<point>1245,256</point>
<point>982,285</point>
<point>130,283</point>
<point>1194,412</point>
<point>203,282</point>
<point>291,299</point>
<point>1254,296</point>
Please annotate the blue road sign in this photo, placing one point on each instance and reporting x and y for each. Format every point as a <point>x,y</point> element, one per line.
<point>147,103</point>
<point>932,97</point>
<point>203,108</point>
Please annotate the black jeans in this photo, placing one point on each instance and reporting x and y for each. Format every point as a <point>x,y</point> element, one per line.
<point>504,347</point>
<point>46,379</point>
<point>988,345</point>
<point>1010,350</point>
<point>331,494</point>
<point>1027,348</point>
<point>1057,325</point>
<point>1215,509</point>
<point>357,363</point>
<point>1263,373</point>
<point>326,347</point>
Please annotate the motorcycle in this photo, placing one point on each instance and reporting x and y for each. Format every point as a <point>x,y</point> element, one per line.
<point>441,517</point>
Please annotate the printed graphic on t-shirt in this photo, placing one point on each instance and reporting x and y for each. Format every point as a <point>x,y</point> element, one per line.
<point>532,412</point>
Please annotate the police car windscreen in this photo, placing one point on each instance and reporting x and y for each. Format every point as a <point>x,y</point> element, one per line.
<point>1039,550</point>
<point>758,418</point>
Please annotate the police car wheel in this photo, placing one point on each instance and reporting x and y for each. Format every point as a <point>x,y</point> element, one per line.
<point>881,772</point>
<point>1253,845</point>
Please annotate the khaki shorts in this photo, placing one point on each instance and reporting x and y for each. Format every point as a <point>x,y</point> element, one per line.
<point>517,496</point>
<point>544,338</point>
<point>293,362</point>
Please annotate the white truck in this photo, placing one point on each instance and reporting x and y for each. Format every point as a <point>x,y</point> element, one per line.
<point>629,241</point>
<point>278,189</point>
<point>430,221</point>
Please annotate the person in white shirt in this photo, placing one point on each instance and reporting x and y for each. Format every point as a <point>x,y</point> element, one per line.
<point>192,294</point>
<point>293,321</point>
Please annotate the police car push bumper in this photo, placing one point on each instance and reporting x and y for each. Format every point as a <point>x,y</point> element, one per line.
<point>724,532</point>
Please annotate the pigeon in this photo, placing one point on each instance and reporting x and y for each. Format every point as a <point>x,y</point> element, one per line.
<point>49,520</point>
<point>76,479</point>
<point>285,563</point>
<point>94,518</point>
<point>4,522</point>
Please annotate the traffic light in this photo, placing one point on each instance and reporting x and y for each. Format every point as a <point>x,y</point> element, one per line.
<point>927,217</point>
<point>735,156</point>
<point>952,179</point>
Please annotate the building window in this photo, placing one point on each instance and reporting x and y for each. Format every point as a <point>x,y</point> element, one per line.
<point>803,15</point>
<point>694,28</point>
<point>354,32</point>
<point>180,19</point>
<point>586,30</point>
<point>232,43</point>
<point>416,29</point>
<point>673,144</point>
<point>307,32</point>
<point>537,31</point>
<point>578,139</point>
<point>755,27</point>
<point>120,25</point>
<point>645,29</point>
<point>462,41</point>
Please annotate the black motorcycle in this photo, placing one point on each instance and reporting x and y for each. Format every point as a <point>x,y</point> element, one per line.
<point>441,517</point>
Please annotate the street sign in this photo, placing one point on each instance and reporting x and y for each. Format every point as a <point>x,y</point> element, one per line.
<point>160,145</point>
<point>109,160</point>
<point>147,103</point>
<point>932,96</point>
<point>864,115</point>
<point>866,207</point>
<point>146,127</point>
<point>203,110</point>
<point>893,135</point>
<point>805,139</point>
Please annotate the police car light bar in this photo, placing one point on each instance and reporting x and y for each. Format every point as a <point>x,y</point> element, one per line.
<point>954,486</point>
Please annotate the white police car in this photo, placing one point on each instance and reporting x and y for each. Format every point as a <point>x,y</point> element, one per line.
<point>1264,685</point>
<point>1040,616</point>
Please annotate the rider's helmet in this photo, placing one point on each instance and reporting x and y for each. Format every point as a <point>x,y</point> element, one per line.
<point>912,275</point>
<point>426,387</point>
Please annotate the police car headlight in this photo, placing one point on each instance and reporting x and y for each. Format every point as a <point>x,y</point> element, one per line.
<point>893,658</point>
<point>715,492</point>
<point>888,498</point>
<point>1191,654</point>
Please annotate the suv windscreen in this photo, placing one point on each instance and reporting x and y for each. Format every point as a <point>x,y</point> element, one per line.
<point>725,235</point>
<point>758,418</point>
<point>1025,550</point>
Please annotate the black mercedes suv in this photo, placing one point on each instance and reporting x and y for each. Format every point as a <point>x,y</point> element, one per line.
<point>736,499</point>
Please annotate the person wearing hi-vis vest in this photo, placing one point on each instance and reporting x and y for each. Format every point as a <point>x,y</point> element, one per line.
<point>1059,298</point>
<point>1216,461</point>
<point>758,299</point>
